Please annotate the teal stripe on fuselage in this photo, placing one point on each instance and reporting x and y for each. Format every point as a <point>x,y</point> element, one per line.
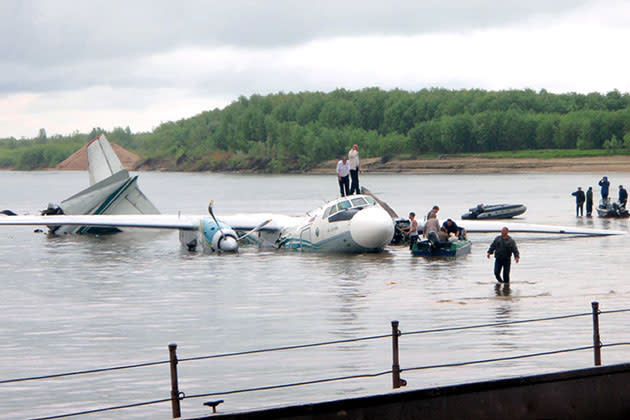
<point>342,242</point>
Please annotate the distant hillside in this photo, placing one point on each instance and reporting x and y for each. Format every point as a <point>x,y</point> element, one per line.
<point>78,161</point>
<point>295,132</point>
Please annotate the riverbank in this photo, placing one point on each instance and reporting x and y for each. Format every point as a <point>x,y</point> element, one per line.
<point>463,165</point>
<point>443,165</point>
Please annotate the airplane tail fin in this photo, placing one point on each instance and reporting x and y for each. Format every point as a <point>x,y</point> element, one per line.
<point>102,160</point>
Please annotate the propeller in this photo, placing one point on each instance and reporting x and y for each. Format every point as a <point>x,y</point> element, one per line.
<point>212,212</point>
<point>226,242</point>
<point>256,229</point>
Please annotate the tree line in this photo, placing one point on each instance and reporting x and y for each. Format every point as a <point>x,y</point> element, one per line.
<point>296,131</point>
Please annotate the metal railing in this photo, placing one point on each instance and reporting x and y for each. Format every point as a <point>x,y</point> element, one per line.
<point>176,396</point>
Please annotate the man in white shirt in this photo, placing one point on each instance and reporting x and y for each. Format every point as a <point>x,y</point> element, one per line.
<point>343,173</point>
<point>353,162</point>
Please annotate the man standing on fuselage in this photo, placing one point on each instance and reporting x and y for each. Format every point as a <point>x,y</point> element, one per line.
<point>353,163</point>
<point>343,173</point>
<point>503,247</point>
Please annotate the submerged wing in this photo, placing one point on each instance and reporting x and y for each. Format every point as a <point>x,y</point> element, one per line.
<point>488,226</point>
<point>150,221</point>
<point>246,222</point>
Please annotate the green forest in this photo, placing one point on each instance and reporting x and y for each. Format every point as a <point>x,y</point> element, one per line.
<point>287,132</point>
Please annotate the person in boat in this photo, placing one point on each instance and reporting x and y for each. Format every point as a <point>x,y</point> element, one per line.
<point>589,202</point>
<point>580,198</point>
<point>412,230</point>
<point>353,163</point>
<point>431,225</point>
<point>605,184</point>
<point>450,227</point>
<point>433,210</point>
<point>343,173</point>
<point>623,196</point>
<point>503,247</point>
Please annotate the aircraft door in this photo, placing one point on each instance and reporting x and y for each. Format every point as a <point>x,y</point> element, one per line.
<point>305,238</point>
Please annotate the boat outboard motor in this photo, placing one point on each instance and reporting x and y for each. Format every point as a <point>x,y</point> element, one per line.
<point>434,239</point>
<point>51,210</point>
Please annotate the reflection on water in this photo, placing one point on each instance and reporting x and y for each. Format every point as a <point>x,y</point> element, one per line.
<point>502,289</point>
<point>80,302</point>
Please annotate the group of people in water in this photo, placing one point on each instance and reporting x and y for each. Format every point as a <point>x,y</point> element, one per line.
<point>432,226</point>
<point>503,246</point>
<point>582,197</point>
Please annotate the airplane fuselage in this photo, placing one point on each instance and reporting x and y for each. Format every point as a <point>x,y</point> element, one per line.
<point>352,224</point>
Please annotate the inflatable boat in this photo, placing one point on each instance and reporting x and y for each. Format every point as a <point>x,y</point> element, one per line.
<point>494,211</point>
<point>608,209</point>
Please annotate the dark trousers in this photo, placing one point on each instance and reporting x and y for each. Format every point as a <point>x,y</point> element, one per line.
<point>412,240</point>
<point>354,186</point>
<point>502,263</point>
<point>579,209</point>
<point>589,208</point>
<point>623,203</point>
<point>344,185</point>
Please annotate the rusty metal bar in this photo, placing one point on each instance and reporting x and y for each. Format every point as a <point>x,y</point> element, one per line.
<point>395,363</point>
<point>174,386</point>
<point>597,344</point>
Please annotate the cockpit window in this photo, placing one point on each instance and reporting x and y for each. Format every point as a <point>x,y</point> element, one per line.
<point>342,205</point>
<point>370,200</point>
<point>328,212</point>
<point>359,201</point>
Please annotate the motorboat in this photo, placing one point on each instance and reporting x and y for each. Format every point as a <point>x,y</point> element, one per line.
<point>433,247</point>
<point>495,211</point>
<point>609,210</point>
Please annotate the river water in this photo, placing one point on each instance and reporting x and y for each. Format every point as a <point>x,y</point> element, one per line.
<point>84,302</point>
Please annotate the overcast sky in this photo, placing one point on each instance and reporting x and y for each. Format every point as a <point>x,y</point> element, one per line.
<point>70,65</point>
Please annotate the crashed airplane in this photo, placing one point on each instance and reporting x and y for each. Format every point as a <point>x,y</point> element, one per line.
<point>111,192</point>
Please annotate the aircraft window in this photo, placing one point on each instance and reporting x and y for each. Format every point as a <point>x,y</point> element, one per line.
<point>359,201</point>
<point>327,212</point>
<point>343,205</point>
<point>370,200</point>
<point>343,215</point>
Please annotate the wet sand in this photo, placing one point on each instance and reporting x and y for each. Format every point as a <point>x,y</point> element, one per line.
<point>463,165</point>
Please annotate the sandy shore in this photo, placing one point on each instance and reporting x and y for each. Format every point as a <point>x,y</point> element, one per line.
<point>442,165</point>
<point>488,165</point>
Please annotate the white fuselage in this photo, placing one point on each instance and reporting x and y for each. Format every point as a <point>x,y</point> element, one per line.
<point>350,224</point>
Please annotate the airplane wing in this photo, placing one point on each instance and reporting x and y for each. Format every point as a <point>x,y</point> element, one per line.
<point>150,221</point>
<point>482,226</point>
<point>248,221</point>
<point>242,222</point>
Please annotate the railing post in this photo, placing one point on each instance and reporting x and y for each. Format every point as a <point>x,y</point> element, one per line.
<point>174,387</point>
<point>597,344</point>
<point>395,364</point>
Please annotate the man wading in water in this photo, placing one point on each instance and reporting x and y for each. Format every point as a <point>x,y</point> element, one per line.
<point>503,247</point>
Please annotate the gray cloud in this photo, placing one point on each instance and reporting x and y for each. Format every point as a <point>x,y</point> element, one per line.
<point>52,31</point>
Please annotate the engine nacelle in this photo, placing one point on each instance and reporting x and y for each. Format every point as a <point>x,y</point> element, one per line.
<point>218,237</point>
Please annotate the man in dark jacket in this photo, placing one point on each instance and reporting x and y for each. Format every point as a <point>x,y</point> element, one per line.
<point>623,196</point>
<point>503,247</point>
<point>605,184</point>
<point>580,198</point>
<point>589,202</point>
